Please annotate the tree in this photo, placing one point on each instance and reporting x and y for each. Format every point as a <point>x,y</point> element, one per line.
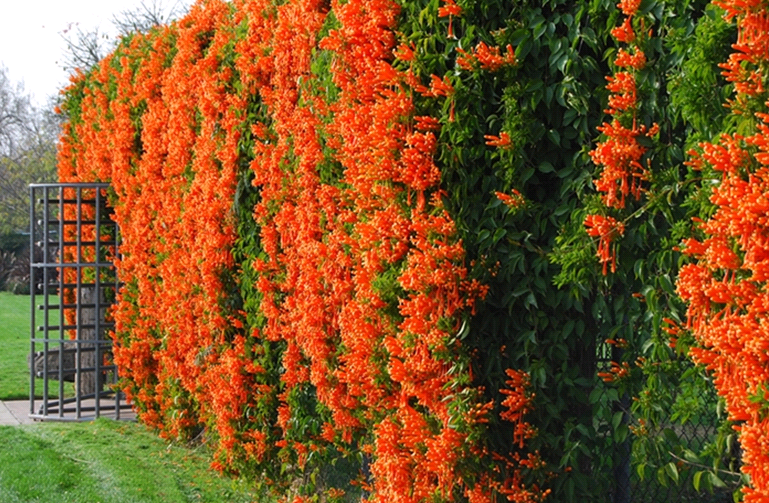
<point>27,152</point>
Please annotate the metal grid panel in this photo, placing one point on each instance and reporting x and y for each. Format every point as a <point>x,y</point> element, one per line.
<point>73,285</point>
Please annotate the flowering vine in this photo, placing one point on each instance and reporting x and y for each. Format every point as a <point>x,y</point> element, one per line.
<point>347,209</point>
<point>620,154</point>
<point>725,285</point>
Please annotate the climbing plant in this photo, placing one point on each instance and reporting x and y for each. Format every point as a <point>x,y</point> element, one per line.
<point>428,249</point>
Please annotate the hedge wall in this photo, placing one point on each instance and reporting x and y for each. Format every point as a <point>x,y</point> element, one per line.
<point>395,237</point>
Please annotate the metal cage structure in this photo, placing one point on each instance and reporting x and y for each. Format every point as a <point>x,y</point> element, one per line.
<point>73,285</point>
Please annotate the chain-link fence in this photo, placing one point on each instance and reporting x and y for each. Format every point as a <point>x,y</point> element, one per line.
<point>660,462</point>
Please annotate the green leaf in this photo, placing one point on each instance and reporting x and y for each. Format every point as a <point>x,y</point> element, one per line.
<point>697,479</point>
<point>531,300</point>
<point>554,136</point>
<point>670,436</point>
<point>641,470</point>
<point>672,470</point>
<point>616,420</point>
<point>716,481</point>
<point>546,167</point>
<point>691,457</point>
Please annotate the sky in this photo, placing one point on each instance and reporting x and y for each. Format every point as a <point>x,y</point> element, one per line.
<point>31,45</point>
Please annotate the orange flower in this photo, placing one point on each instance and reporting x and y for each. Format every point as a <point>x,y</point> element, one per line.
<point>607,230</point>
<point>629,7</point>
<point>624,32</point>
<point>501,141</point>
<point>514,200</point>
<point>449,9</point>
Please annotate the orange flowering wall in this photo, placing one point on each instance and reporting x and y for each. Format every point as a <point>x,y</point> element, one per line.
<point>364,234</point>
<point>285,246</point>
<point>725,286</point>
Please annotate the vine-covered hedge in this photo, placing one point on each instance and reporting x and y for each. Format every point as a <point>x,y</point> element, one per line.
<point>387,237</point>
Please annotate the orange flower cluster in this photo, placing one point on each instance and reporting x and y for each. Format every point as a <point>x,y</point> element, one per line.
<point>518,403</point>
<point>607,230</point>
<point>726,286</point>
<point>514,200</point>
<point>165,119</point>
<point>619,154</point>
<point>485,57</point>
<point>501,141</point>
<point>450,9</point>
<point>616,372</point>
<point>744,65</point>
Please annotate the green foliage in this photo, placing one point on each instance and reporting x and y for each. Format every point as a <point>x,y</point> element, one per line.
<point>14,243</point>
<point>697,89</point>
<point>549,308</point>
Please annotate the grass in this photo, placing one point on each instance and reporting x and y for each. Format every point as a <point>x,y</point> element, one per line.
<point>107,461</point>
<point>14,339</point>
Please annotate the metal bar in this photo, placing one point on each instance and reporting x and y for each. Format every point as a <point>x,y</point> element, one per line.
<point>71,185</point>
<point>32,287</point>
<point>41,328</point>
<point>76,266</point>
<point>61,291</point>
<point>67,285</point>
<point>87,243</point>
<point>69,341</point>
<point>96,301</point>
<point>46,216</point>
<point>86,222</point>
<point>73,306</point>
<point>118,395</point>
<point>78,307</point>
<point>91,409</point>
<point>66,350</point>
<point>64,201</point>
<point>68,372</point>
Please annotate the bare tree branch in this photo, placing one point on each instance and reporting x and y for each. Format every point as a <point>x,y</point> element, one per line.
<point>147,16</point>
<point>84,48</point>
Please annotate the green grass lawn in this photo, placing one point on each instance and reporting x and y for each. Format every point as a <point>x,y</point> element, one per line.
<point>109,462</point>
<point>14,341</point>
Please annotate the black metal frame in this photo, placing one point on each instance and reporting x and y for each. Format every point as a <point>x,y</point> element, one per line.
<point>70,338</point>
